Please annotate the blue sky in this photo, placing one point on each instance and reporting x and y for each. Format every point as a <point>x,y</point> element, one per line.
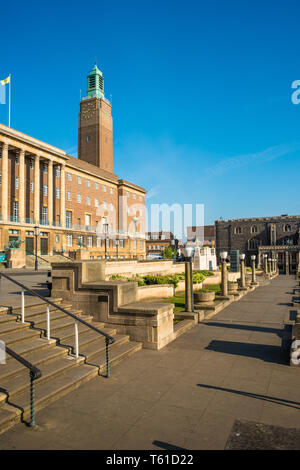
<point>201,93</point>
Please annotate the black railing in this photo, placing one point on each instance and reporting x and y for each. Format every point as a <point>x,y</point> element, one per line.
<point>37,256</point>
<point>34,373</point>
<point>58,253</point>
<point>53,304</point>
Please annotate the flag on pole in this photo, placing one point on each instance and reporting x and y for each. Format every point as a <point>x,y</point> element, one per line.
<point>2,94</point>
<point>6,80</point>
<point>2,89</point>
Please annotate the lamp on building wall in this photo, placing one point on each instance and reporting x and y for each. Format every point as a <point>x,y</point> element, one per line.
<point>36,234</point>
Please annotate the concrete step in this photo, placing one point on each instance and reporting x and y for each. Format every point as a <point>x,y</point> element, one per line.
<point>116,355</point>
<point>16,380</point>
<point>57,327</point>
<point>35,345</point>
<point>8,318</point>
<point>10,327</point>
<point>86,336</point>
<point>91,350</point>
<point>59,384</point>
<point>45,393</point>
<point>19,336</point>
<point>36,357</point>
<point>16,384</point>
<point>183,326</point>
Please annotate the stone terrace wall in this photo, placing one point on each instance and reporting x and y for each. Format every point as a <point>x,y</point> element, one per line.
<point>131,268</point>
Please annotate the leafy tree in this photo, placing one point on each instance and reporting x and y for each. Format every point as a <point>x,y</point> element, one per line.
<point>168,252</point>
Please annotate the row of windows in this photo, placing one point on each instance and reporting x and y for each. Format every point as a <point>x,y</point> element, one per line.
<point>254,229</point>
<point>96,241</point>
<point>45,191</point>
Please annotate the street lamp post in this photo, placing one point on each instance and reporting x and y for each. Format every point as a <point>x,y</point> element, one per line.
<point>270,266</point>
<point>253,258</point>
<point>189,298</point>
<point>243,276</point>
<point>135,221</point>
<point>36,234</point>
<point>117,245</point>
<point>173,249</point>
<point>265,263</point>
<point>224,284</point>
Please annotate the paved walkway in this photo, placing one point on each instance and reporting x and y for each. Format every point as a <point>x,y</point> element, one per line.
<point>229,371</point>
<point>10,293</point>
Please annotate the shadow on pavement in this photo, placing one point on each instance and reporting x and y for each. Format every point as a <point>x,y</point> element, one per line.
<point>265,352</point>
<point>278,401</point>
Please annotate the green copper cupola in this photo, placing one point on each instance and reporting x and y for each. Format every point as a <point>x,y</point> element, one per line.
<point>95,83</point>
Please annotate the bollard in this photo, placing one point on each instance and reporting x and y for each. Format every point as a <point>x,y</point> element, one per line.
<point>243,274</point>
<point>266,264</point>
<point>189,300</point>
<point>224,283</point>
<point>253,258</point>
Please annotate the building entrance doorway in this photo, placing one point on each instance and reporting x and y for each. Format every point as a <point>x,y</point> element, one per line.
<point>29,246</point>
<point>44,246</point>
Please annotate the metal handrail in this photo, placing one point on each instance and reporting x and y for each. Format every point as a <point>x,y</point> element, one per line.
<point>53,304</point>
<point>38,256</point>
<point>34,373</point>
<point>34,370</point>
<point>60,254</point>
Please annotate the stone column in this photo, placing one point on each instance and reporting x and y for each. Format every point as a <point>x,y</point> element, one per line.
<point>37,189</point>
<point>4,176</point>
<point>253,282</point>
<point>287,263</point>
<point>50,192</point>
<point>243,275</point>
<point>224,282</point>
<point>62,196</point>
<point>265,263</point>
<point>270,266</point>
<point>22,186</point>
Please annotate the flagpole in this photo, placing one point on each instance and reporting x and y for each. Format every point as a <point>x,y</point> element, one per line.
<point>9,102</point>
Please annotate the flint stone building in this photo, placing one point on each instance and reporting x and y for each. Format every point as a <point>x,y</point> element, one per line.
<point>77,203</point>
<point>275,236</point>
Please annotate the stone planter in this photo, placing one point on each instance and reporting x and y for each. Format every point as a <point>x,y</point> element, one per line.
<point>232,287</point>
<point>204,297</point>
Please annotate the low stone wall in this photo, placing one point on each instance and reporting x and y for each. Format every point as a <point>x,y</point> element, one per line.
<point>215,279</point>
<point>157,291</point>
<point>131,268</point>
<point>17,257</point>
<point>181,286</point>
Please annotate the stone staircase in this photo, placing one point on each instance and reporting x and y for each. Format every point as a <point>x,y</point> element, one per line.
<point>61,371</point>
<point>45,262</point>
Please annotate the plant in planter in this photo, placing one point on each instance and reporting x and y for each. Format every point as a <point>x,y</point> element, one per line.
<point>204,295</point>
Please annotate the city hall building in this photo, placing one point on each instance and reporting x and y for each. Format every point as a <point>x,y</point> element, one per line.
<point>276,237</point>
<point>76,203</point>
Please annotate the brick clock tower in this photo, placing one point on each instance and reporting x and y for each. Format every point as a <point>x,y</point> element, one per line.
<point>95,131</point>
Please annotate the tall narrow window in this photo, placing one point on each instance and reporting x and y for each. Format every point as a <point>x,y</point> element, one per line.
<point>68,219</point>
<point>16,211</point>
<point>44,215</point>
